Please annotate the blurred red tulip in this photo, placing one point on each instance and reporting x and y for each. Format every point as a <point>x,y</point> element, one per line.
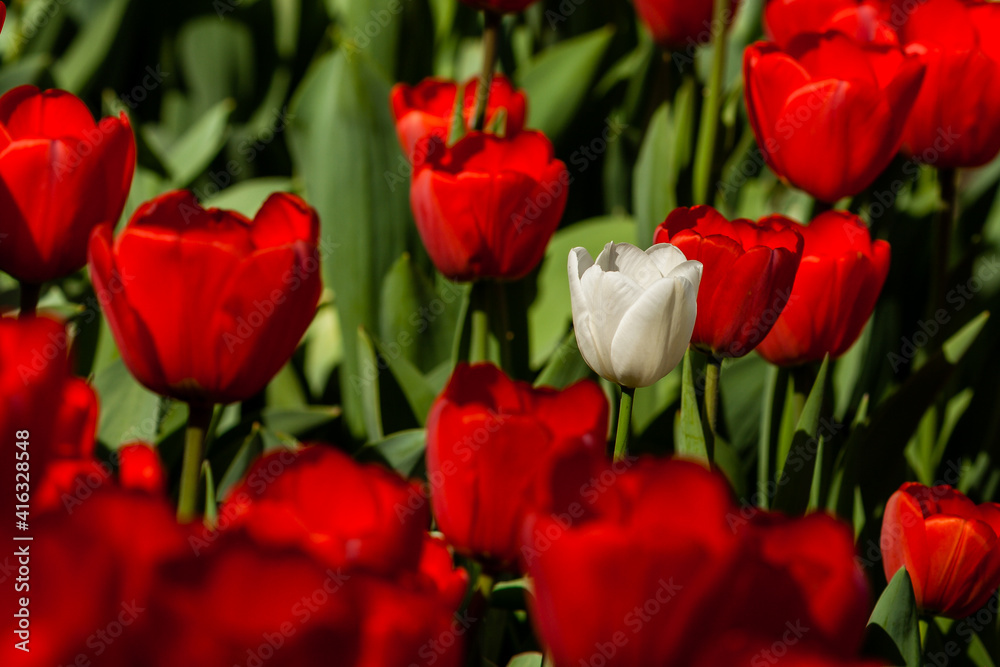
<point>424,113</point>
<point>829,96</point>
<point>51,150</point>
<point>678,23</point>
<point>3,14</point>
<point>92,570</point>
<point>956,120</point>
<point>499,449</point>
<point>139,468</point>
<point>500,6</point>
<point>665,566</point>
<point>836,288</point>
<point>363,521</point>
<point>866,21</point>
<point>947,543</point>
<point>43,406</point>
<point>749,270</point>
<point>487,206</point>
<point>736,650</point>
<point>206,305</point>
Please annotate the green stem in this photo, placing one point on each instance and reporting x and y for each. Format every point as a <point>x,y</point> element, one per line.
<point>624,423</point>
<point>199,418</point>
<point>944,225</point>
<point>29,300</point>
<point>479,345</point>
<point>503,332</point>
<point>491,47</point>
<point>708,131</point>
<point>764,437</point>
<point>712,371</point>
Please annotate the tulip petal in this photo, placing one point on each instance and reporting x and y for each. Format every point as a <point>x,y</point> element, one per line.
<point>586,338</point>
<point>667,257</point>
<point>610,294</point>
<point>28,112</point>
<point>635,264</point>
<point>654,333</point>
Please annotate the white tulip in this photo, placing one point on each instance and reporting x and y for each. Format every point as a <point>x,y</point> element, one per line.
<point>633,311</point>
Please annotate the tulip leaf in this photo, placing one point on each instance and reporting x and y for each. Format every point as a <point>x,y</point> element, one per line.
<point>558,79</point>
<point>211,505</point>
<point>690,437</point>
<point>653,401</point>
<point>530,659</point>
<point>880,443</point>
<point>418,392</point>
<point>343,144</point>
<point>251,449</point>
<point>550,314</point>
<point>191,153</point>
<point>248,196</point>
<point>216,59</point>
<point>300,420</point>
<point>511,594</point>
<point>367,381</point>
<point>894,629</point>
<point>565,365</point>
<point>802,462</point>
<point>90,47</point>
<point>404,451</point>
<point>135,412</point>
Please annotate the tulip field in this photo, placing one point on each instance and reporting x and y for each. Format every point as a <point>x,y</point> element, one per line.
<point>500,333</point>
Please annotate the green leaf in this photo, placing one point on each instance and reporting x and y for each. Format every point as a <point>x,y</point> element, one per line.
<point>550,314</point>
<point>558,79</point>
<point>129,410</point>
<point>691,442</point>
<point>404,451</point>
<point>90,47</point>
<point>368,382</point>
<point>211,506</point>
<point>530,659</point>
<point>343,144</point>
<point>893,629</point>
<point>189,156</point>
<point>251,449</point>
<point>248,196</point>
<point>298,421</point>
<point>417,390</point>
<point>565,365</point>
<point>803,460</point>
<point>217,61</point>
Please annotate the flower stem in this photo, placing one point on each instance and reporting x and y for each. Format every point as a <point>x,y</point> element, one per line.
<point>709,129</point>
<point>199,418</point>
<point>491,47</point>
<point>624,423</point>
<point>29,300</point>
<point>503,332</point>
<point>712,371</point>
<point>479,345</point>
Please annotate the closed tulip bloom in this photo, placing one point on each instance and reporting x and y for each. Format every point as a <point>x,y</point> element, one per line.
<point>749,271</point>
<point>498,450</point>
<point>660,567</point>
<point>487,206</point>
<point>51,150</point>
<point>139,469</point>
<point>838,283</point>
<point>867,21</point>
<point>956,120</point>
<point>206,305</point>
<point>827,95</point>
<point>679,23</point>
<point>500,6</point>
<point>633,311</point>
<point>424,113</point>
<point>948,545</point>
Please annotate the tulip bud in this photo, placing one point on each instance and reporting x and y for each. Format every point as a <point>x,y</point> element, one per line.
<point>633,311</point>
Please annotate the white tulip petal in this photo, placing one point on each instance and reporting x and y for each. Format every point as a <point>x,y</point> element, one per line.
<point>636,264</point>
<point>609,296</point>
<point>666,257</point>
<point>606,260</point>
<point>690,271</point>
<point>579,262</point>
<point>654,334</point>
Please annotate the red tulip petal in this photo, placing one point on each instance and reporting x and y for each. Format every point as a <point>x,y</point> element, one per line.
<point>29,113</point>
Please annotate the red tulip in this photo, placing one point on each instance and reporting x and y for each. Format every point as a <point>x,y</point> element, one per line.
<point>838,283</point>
<point>139,469</point>
<point>677,23</point>
<point>362,521</point>
<point>207,306</point>
<point>3,14</point>
<point>51,150</point>
<point>103,555</point>
<point>947,543</point>
<point>424,112</point>
<point>829,96</point>
<point>955,120</point>
<point>498,450</point>
<point>500,6</point>
<point>663,568</point>
<point>487,207</point>
<point>749,271</point>
<point>867,21</point>
<point>43,406</point>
